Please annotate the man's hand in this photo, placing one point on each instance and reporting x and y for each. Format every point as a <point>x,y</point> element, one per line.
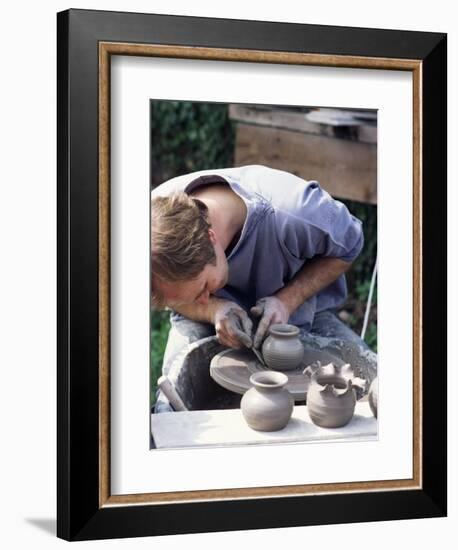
<point>271,310</point>
<point>232,325</point>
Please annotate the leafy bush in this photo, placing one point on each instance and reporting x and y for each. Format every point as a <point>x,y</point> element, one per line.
<point>189,136</point>
<point>360,275</point>
<point>361,270</point>
<point>160,325</point>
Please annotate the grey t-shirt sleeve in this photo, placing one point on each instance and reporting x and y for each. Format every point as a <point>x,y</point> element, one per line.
<point>318,225</point>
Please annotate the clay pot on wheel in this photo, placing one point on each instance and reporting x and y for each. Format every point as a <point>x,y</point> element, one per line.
<point>282,349</point>
<point>331,398</point>
<point>268,405</point>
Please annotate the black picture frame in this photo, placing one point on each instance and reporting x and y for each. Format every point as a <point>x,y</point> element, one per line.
<point>80,513</point>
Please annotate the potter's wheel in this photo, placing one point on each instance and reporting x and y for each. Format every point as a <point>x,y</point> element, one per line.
<point>232,369</point>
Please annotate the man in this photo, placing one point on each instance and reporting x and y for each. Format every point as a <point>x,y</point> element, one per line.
<point>233,244</point>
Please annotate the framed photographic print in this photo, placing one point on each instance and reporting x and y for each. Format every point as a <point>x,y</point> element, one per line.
<point>251,274</point>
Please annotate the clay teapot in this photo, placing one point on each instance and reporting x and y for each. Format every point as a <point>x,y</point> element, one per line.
<point>268,405</point>
<point>282,349</point>
<point>331,398</point>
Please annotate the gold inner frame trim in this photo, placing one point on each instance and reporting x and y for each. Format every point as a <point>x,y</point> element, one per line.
<point>106,50</point>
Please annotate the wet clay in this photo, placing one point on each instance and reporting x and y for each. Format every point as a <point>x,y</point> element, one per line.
<point>331,398</point>
<point>282,349</point>
<point>268,405</point>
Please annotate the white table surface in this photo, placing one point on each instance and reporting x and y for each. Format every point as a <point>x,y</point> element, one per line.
<point>228,427</point>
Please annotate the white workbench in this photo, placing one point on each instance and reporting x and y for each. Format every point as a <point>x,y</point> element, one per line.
<point>228,427</point>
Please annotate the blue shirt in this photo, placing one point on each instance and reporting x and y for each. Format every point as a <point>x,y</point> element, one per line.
<point>289,221</point>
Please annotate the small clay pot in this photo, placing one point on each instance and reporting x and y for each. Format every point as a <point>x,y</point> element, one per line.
<point>268,405</point>
<point>372,396</point>
<point>331,397</point>
<point>282,349</point>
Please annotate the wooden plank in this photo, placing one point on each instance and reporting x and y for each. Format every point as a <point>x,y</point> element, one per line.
<point>228,427</point>
<point>346,169</point>
<point>297,121</point>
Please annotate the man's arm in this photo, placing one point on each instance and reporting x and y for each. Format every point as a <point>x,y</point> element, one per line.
<point>315,275</point>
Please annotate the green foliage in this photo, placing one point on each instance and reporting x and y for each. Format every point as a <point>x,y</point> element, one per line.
<point>189,136</point>
<point>362,268</point>
<point>371,336</point>
<point>160,326</point>
<point>360,275</point>
<point>362,292</point>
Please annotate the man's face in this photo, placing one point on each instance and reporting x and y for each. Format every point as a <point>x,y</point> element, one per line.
<point>198,290</point>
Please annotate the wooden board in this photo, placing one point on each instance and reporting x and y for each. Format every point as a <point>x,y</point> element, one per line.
<point>346,169</point>
<point>290,119</point>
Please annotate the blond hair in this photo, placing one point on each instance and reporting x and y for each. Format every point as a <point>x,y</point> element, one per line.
<point>180,242</point>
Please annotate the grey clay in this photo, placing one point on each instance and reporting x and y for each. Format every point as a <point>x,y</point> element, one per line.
<point>268,405</point>
<point>282,349</point>
<point>331,397</point>
<point>373,396</point>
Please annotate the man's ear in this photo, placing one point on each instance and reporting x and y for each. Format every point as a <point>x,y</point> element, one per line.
<point>212,236</point>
